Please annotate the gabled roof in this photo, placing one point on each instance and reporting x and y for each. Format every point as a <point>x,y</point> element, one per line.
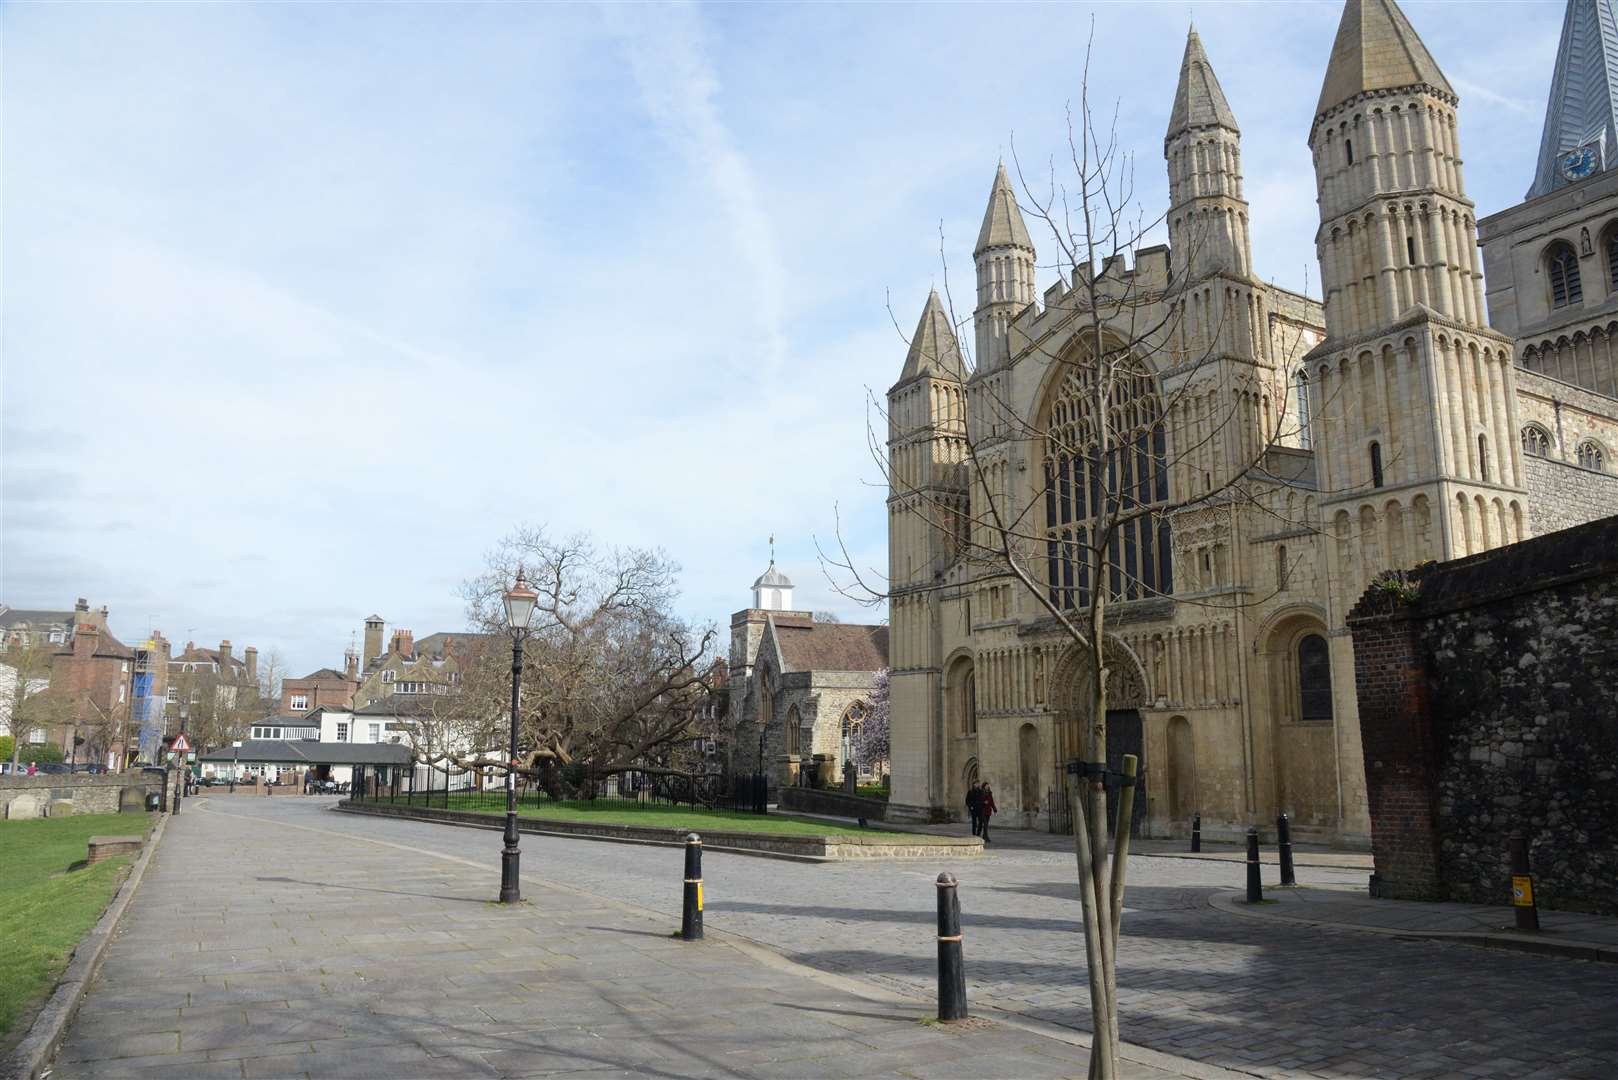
<point>933,348</point>
<point>1199,101</point>
<point>16,616</point>
<point>1002,219</point>
<point>322,673</point>
<point>1584,93</point>
<point>1376,49</point>
<point>806,645</point>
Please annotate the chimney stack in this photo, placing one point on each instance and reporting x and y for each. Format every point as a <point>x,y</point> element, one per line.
<point>224,653</point>
<point>82,606</point>
<point>251,657</point>
<point>373,642</point>
<point>403,643</point>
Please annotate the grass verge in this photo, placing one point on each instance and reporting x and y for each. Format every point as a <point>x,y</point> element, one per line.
<point>48,901</point>
<point>657,816</point>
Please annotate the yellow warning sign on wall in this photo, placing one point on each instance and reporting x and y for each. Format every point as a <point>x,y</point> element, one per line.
<point>1522,890</point>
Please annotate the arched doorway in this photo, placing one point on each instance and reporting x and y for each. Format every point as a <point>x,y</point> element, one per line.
<point>1126,694</point>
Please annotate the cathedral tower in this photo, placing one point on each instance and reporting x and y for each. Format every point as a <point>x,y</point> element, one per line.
<point>1004,258</point>
<point>1203,147</point>
<point>927,500</point>
<point>1411,392</point>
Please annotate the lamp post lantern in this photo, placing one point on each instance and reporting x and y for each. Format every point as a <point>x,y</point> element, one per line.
<point>520,601</point>
<point>235,763</point>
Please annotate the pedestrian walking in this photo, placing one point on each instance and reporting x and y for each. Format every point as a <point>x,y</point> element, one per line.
<point>974,800</point>
<point>986,810</point>
<point>33,769</point>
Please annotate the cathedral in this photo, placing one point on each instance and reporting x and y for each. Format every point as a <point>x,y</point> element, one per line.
<point>1278,453</point>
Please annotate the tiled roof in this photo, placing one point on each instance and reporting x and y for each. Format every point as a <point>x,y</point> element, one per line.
<point>1376,49</point>
<point>812,646</point>
<point>16,616</point>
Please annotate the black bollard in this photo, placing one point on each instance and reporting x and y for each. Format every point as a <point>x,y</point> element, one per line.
<point>951,970</point>
<point>1522,884</point>
<point>1255,884</point>
<point>1196,831</point>
<point>1283,839</point>
<point>176,798</point>
<point>691,916</point>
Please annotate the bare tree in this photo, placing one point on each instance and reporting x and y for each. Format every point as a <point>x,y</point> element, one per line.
<point>612,678</point>
<point>25,674</point>
<point>1131,353</point>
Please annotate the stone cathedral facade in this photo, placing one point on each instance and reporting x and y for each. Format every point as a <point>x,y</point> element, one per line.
<point>1295,449</point>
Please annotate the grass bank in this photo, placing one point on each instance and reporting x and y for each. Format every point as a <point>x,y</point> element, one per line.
<point>47,902</point>
<point>657,816</point>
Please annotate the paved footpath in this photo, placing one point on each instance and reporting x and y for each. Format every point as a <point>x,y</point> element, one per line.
<point>270,939</point>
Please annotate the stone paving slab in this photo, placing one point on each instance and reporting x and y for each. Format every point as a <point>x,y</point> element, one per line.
<point>258,947</point>
<point>1583,936</point>
<point>1265,997</point>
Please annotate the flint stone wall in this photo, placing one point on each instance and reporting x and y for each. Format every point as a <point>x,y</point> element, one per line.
<point>101,793</point>
<point>1489,704</point>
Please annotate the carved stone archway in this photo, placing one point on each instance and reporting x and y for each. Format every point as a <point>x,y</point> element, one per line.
<point>1070,691</point>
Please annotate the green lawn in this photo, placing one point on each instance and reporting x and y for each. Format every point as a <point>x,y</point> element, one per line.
<point>872,791</point>
<point>613,812</point>
<point>45,907</point>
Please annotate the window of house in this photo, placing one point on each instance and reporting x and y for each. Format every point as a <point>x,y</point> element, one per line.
<point>1376,464</point>
<point>1536,441</point>
<point>196,696</point>
<point>1590,456</point>
<point>173,695</point>
<point>342,732</point>
<point>298,703</point>
<point>389,676</point>
<point>57,637</point>
<point>1314,678</point>
<point>793,732</point>
<point>1483,457</point>
<point>1562,265</point>
<point>376,732</point>
<point>37,735</point>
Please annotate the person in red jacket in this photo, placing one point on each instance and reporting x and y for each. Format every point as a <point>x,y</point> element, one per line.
<point>986,810</point>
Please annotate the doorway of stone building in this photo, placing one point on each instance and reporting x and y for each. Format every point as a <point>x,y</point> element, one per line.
<point>1125,735</point>
<point>1028,774</point>
<point>1181,774</point>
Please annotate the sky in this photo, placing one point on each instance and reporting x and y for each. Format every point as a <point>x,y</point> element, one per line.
<point>306,305</point>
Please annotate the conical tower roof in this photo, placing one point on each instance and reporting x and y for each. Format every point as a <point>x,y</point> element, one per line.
<point>1584,93</point>
<point>1376,49</point>
<point>1002,221</point>
<point>1199,101</point>
<point>933,348</point>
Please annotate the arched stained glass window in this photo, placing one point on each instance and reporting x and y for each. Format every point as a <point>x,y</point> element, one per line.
<point>1590,456</point>
<point>1562,266</point>
<point>1314,678</point>
<point>1536,441</point>
<point>1131,476</point>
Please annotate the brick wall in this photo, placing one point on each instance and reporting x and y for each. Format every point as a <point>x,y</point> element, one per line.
<point>1489,703</point>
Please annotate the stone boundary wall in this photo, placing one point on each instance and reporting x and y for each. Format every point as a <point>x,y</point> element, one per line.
<point>1488,700</point>
<point>1562,494</point>
<point>831,803</point>
<point>804,846</point>
<point>89,793</point>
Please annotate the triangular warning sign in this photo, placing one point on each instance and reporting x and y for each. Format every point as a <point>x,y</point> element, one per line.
<point>180,745</point>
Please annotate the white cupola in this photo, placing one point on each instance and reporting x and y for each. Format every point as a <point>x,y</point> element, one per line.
<point>772,591</point>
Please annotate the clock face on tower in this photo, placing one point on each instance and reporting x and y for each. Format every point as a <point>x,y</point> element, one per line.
<point>1578,164</point>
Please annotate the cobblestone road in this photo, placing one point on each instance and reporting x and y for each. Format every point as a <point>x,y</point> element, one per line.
<point>1270,999</point>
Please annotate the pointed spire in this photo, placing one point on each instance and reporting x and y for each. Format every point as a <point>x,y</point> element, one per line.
<point>1002,221</point>
<point>1376,49</point>
<point>933,348</point>
<point>1199,101</point>
<point>1584,93</point>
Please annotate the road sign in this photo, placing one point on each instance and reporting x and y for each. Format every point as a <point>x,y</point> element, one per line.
<point>180,744</point>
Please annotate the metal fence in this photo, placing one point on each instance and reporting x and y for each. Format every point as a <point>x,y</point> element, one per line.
<point>743,793</point>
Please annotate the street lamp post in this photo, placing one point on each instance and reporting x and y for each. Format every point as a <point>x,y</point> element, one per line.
<point>520,601</point>
<point>235,763</point>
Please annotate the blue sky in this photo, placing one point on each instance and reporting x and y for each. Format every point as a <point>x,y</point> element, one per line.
<point>306,305</point>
